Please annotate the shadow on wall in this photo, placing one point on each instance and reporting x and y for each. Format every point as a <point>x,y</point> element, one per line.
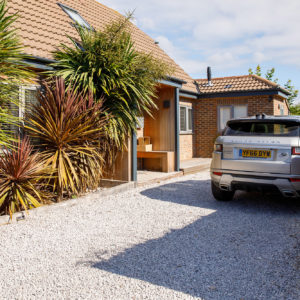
<point>239,251</point>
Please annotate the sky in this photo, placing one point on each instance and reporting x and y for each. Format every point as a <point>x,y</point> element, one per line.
<point>230,36</point>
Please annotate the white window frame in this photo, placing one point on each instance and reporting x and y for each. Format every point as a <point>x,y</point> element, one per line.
<point>232,116</point>
<point>281,109</point>
<point>22,99</point>
<point>68,9</point>
<point>187,109</point>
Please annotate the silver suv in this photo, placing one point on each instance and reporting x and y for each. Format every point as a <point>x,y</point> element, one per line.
<point>257,153</point>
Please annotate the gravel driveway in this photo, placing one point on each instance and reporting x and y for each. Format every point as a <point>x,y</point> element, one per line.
<point>167,241</point>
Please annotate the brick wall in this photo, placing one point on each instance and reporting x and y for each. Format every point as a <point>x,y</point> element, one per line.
<point>206,114</point>
<point>186,146</point>
<point>279,102</point>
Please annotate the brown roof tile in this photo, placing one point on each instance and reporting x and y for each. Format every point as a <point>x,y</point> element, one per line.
<point>236,83</point>
<point>43,26</point>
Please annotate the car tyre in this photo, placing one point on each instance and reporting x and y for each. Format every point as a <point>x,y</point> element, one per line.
<point>221,195</point>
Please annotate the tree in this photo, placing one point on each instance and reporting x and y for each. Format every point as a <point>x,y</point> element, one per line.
<point>257,71</point>
<point>13,71</point>
<point>293,92</point>
<point>107,63</point>
<point>270,75</point>
<point>288,85</point>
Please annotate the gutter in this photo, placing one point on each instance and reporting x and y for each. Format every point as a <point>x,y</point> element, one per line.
<point>188,94</point>
<point>42,60</point>
<point>275,91</point>
<point>176,80</point>
<point>40,63</point>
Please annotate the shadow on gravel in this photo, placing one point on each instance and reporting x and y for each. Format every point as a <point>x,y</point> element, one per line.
<point>197,193</point>
<point>245,249</point>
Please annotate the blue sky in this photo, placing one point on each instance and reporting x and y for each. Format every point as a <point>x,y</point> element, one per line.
<point>228,35</point>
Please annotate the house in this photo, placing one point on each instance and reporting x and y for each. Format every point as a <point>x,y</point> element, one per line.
<point>45,24</point>
<point>225,98</point>
<point>186,122</point>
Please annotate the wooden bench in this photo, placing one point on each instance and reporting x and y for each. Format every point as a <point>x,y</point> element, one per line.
<point>158,160</point>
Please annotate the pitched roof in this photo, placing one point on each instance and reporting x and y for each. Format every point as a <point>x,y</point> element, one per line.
<point>237,84</point>
<point>43,26</point>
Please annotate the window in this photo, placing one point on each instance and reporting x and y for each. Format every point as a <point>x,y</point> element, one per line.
<point>262,128</point>
<point>228,112</point>
<point>26,96</point>
<point>75,16</point>
<point>281,109</point>
<point>186,119</point>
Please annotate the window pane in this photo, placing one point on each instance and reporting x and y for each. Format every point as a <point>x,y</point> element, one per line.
<point>281,110</point>
<point>263,128</point>
<point>10,105</point>
<point>225,115</point>
<point>190,119</point>
<point>183,119</point>
<point>77,18</point>
<point>30,98</point>
<point>240,111</point>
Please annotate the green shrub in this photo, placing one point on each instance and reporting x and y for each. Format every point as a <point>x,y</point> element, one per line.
<point>108,64</point>
<point>13,72</point>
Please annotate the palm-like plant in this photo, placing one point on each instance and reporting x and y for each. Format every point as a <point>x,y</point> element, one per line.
<point>69,127</point>
<point>13,70</point>
<point>21,173</point>
<point>107,63</point>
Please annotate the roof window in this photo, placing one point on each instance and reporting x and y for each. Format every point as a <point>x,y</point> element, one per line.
<point>75,16</point>
<point>228,86</point>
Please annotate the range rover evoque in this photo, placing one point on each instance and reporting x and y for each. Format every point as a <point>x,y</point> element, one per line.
<point>257,153</point>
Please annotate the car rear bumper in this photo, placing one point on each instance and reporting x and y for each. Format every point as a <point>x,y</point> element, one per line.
<point>262,182</point>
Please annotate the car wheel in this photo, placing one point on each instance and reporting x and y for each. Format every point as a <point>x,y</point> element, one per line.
<point>221,195</point>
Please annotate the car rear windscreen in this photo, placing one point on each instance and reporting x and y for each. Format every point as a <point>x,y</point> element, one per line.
<point>262,128</point>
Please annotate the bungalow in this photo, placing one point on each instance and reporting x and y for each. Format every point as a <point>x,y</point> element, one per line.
<point>225,98</point>
<point>190,113</point>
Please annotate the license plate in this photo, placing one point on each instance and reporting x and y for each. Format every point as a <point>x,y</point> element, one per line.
<point>255,153</point>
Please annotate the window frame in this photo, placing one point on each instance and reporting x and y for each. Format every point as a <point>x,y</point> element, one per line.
<point>187,109</point>
<point>66,9</point>
<point>281,109</point>
<point>231,106</point>
<point>22,98</point>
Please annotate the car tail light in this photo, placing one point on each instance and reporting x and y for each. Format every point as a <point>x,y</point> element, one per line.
<point>217,173</point>
<point>219,147</point>
<point>296,150</point>
<point>294,179</point>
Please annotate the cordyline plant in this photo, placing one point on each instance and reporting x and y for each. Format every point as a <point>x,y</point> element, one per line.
<point>21,176</point>
<point>68,126</point>
<point>13,72</point>
<point>107,63</point>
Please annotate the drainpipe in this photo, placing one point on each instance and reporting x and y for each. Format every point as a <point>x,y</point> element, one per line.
<point>134,156</point>
<point>177,130</point>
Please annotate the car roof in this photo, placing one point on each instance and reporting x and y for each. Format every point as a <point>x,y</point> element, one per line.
<point>269,118</point>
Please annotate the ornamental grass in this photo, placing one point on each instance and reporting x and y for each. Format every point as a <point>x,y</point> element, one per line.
<point>69,128</point>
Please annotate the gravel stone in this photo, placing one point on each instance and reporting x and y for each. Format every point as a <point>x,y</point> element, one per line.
<point>164,241</point>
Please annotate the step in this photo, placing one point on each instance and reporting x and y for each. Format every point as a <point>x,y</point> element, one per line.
<point>196,169</point>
